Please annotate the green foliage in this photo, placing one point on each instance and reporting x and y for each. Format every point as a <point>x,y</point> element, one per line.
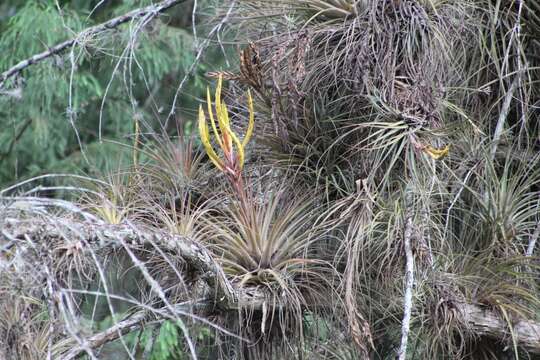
<point>167,343</point>
<point>54,115</point>
<point>48,27</point>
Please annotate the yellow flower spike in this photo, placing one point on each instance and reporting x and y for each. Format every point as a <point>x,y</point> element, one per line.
<point>225,114</point>
<point>437,154</point>
<point>251,122</point>
<point>225,137</point>
<point>211,114</point>
<point>205,139</point>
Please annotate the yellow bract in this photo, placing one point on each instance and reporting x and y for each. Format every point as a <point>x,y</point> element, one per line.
<point>205,139</point>
<point>225,137</point>
<point>437,153</point>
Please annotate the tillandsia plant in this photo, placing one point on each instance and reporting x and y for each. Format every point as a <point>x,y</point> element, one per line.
<point>258,240</point>
<point>232,162</point>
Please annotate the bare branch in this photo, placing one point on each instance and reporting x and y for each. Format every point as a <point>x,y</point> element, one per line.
<point>505,109</point>
<point>532,240</point>
<point>126,326</point>
<point>100,236</point>
<point>45,230</point>
<point>215,30</point>
<point>409,283</point>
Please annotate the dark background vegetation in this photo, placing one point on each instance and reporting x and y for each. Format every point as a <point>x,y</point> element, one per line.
<point>70,115</point>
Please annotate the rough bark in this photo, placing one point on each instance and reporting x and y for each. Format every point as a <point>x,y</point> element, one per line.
<point>101,235</point>
<point>485,322</point>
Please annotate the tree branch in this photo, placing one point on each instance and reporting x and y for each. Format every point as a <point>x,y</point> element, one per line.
<point>92,31</point>
<point>409,283</point>
<point>485,322</point>
<point>133,322</point>
<point>101,236</point>
<point>46,231</point>
<point>129,324</point>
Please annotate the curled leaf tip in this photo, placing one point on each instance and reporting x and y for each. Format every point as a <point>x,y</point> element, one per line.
<point>251,121</point>
<point>435,153</point>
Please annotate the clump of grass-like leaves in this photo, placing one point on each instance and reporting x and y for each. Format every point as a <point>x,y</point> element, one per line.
<point>272,242</point>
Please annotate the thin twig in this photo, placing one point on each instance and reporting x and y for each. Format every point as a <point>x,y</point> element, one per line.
<point>516,35</point>
<point>505,109</point>
<point>532,240</point>
<point>112,333</point>
<point>92,31</point>
<point>193,26</point>
<point>409,283</point>
<point>202,47</point>
<point>127,53</point>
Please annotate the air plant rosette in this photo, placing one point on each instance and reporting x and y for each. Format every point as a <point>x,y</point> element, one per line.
<point>269,244</point>
<point>260,242</point>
